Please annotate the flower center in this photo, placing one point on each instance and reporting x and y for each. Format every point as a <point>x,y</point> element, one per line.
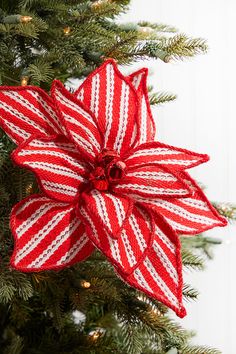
<point>109,169</point>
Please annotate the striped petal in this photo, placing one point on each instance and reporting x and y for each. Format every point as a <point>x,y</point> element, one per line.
<point>79,122</point>
<point>191,215</point>
<point>48,235</point>
<point>113,100</point>
<point>152,181</point>
<point>27,111</point>
<point>128,250</point>
<point>159,275</point>
<point>146,121</point>
<point>169,156</point>
<point>108,210</point>
<point>56,162</point>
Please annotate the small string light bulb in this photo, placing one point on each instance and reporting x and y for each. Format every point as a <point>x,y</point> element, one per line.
<point>146,30</point>
<point>94,335</point>
<point>66,30</point>
<point>85,284</point>
<point>25,19</point>
<point>24,80</point>
<point>155,312</point>
<point>29,188</point>
<point>97,4</point>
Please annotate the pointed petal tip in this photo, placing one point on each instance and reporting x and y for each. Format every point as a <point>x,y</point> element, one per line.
<point>181,312</point>
<point>222,221</point>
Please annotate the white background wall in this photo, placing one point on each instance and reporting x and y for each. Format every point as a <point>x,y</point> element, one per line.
<point>203,119</point>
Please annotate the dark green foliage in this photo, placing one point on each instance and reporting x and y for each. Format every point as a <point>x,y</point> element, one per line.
<point>43,49</point>
<point>67,39</point>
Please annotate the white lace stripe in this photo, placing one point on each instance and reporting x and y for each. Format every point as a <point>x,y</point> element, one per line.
<point>176,162</point>
<point>151,189</point>
<point>51,144</point>
<point>154,152</point>
<point>166,262</point>
<point>197,204</point>
<point>91,223</point>
<point>123,118</point>
<point>120,212</point>
<point>128,249</point>
<point>58,154</point>
<point>55,244</point>
<point>39,236</point>
<point>143,137</point>
<point>109,101</point>
<point>136,229</point>
<point>80,95</point>
<point>74,250</point>
<point>165,240</point>
<point>31,201</point>
<point>53,168</point>
<point>178,226</point>
<point>136,80</point>
<point>27,224</point>
<point>101,208</point>
<point>31,107</point>
<point>48,109</point>
<point>22,117</point>
<point>156,176</point>
<point>94,105</point>
<point>162,285</point>
<point>178,210</point>
<point>115,251</point>
<point>59,188</point>
<point>74,107</point>
<point>138,275</point>
<point>90,135</point>
<point>17,130</point>
<point>83,143</point>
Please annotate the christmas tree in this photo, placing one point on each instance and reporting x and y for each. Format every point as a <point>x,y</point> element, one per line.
<point>85,308</point>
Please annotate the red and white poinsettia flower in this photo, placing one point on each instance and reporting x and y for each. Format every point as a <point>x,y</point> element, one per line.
<point>105,182</point>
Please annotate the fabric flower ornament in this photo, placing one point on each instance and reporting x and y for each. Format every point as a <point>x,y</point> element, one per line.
<point>105,183</point>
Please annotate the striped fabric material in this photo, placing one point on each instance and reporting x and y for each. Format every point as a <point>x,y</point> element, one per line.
<point>48,235</point>
<point>146,122</point>
<point>113,100</point>
<point>104,182</point>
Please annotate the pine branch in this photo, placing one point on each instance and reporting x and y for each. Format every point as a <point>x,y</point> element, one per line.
<point>181,46</point>
<point>199,350</point>
<point>192,261</point>
<point>227,210</point>
<point>189,293</point>
<point>159,98</point>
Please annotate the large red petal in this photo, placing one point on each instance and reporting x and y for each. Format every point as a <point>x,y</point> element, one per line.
<point>159,275</point>
<point>158,153</point>
<point>189,216</point>
<point>27,111</point>
<point>107,209</point>
<point>152,181</point>
<point>56,162</point>
<point>128,250</point>
<point>79,122</point>
<point>146,121</point>
<point>48,235</point>
<point>114,102</point>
